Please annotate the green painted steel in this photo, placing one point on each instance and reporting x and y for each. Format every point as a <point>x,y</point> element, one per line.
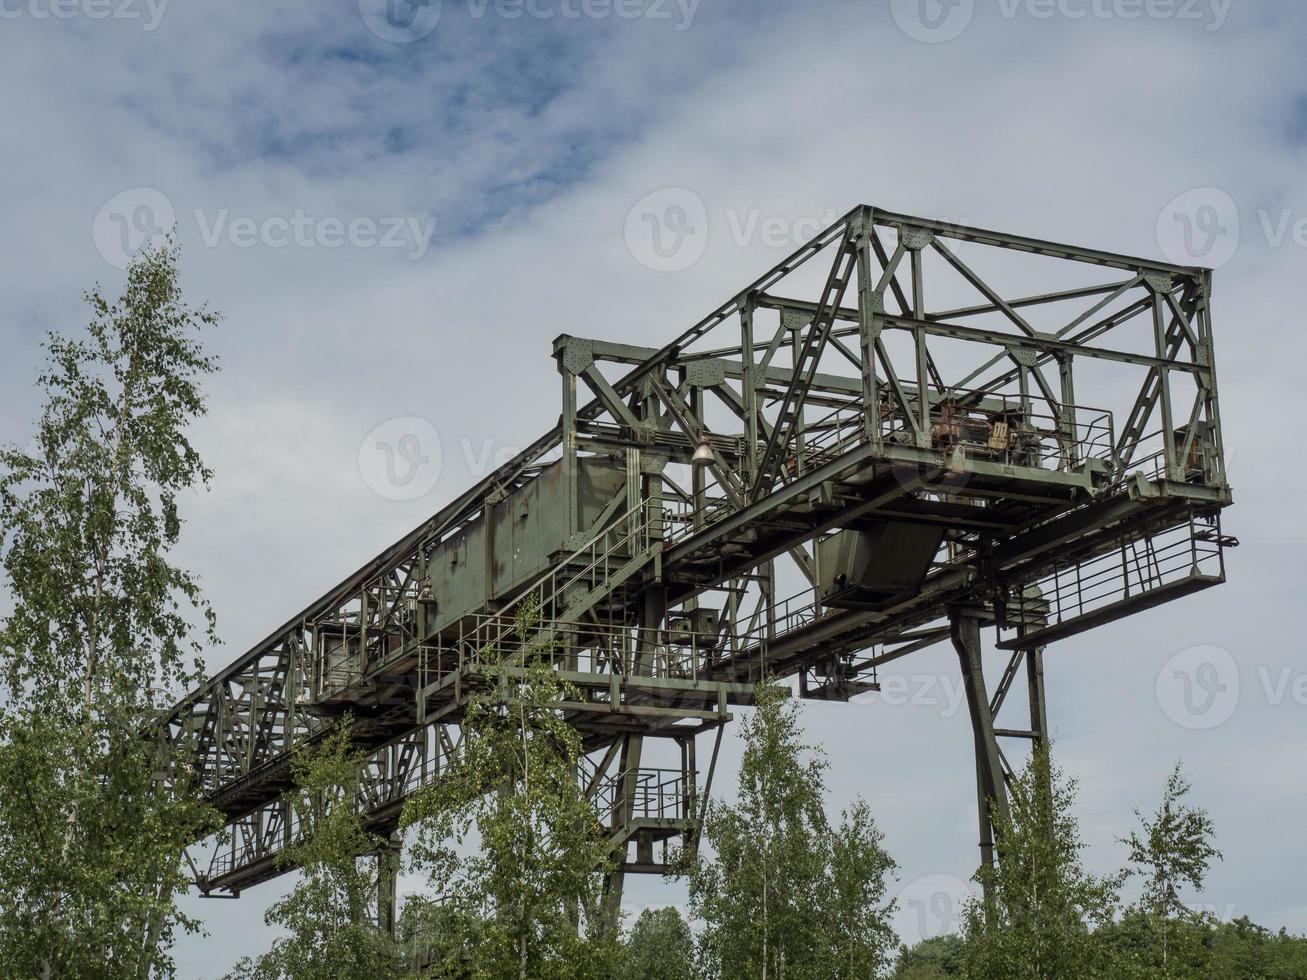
<point>906,432</point>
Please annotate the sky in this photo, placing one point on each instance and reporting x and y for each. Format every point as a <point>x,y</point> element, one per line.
<point>397,208</point>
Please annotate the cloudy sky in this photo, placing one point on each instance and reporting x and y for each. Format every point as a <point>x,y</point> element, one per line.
<point>398,208</point>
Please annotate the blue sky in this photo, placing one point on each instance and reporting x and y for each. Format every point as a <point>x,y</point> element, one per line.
<point>506,153</point>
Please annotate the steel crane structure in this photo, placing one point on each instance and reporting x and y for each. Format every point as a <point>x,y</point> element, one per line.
<point>895,422</point>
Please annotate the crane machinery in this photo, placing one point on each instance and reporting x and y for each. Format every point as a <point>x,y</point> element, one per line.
<point>906,433</point>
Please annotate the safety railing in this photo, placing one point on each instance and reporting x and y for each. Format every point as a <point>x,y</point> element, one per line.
<point>373,626</point>
<point>1200,463</point>
<point>686,518</point>
<point>345,650</point>
<point>1007,429</point>
<point>338,656</point>
<point>255,837</point>
<point>586,648</point>
<point>1139,566</point>
<point>1000,428</point>
<point>786,616</point>
<point>650,794</point>
<point>980,425</point>
<point>595,562</point>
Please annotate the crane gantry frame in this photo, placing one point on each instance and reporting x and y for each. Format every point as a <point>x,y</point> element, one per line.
<point>890,418</point>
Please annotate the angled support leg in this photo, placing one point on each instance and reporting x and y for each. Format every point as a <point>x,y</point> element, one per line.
<point>1035,685</point>
<point>991,790</point>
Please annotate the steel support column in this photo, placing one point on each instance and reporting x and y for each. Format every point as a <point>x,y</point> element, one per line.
<point>1038,709</point>
<point>991,790</point>
<point>1035,688</point>
<point>654,608</point>
<point>388,883</point>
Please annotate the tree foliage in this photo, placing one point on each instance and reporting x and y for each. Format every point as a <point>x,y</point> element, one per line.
<point>931,959</point>
<point>1202,948</point>
<point>507,836</point>
<point>659,946</point>
<point>1041,905</point>
<point>1172,851</point>
<point>101,637</point>
<point>328,915</point>
<point>784,894</point>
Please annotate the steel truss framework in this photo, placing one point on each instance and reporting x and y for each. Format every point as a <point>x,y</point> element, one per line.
<point>898,385</point>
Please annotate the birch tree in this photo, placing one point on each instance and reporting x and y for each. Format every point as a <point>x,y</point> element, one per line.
<point>1172,851</point>
<point>327,917</point>
<point>783,894</point>
<point>508,838</point>
<point>1038,920</point>
<point>104,631</point>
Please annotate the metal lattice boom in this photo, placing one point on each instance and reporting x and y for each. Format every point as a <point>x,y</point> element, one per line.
<point>896,421</point>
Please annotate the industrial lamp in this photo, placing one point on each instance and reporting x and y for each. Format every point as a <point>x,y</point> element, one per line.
<point>703,454</point>
<point>424,593</point>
